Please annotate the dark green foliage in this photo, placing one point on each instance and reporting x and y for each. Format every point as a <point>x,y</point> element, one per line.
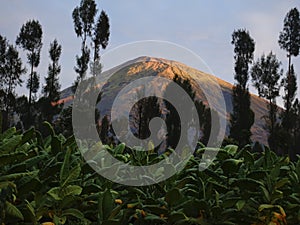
<point>101,34</point>
<point>288,124</point>
<point>22,110</point>
<point>172,119</point>
<point>82,64</point>
<point>289,84</point>
<point>47,180</point>
<point>266,74</point>
<point>141,114</point>
<point>3,47</point>
<point>30,39</point>
<point>11,69</point>
<point>292,139</point>
<point>64,122</point>
<point>242,117</point>
<point>83,18</point>
<point>289,38</point>
<point>85,26</point>
<point>52,87</point>
<point>105,127</point>
<point>48,104</point>
<point>243,48</point>
<point>33,83</point>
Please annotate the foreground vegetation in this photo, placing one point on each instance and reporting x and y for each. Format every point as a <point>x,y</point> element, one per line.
<point>46,181</point>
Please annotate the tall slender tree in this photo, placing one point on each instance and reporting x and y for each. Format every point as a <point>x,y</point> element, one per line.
<point>83,18</point>
<point>295,145</point>
<point>289,84</point>
<point>172,119</point>
<point>86,27</point>
<point>3,47</point>
<point>30,39</point>
<point>289,40</point>
<point>100,40</point>
<point>266,74</point>
<point>242,117</point>
<point>52,87</point>
<point>142,112</point>
<point>11,69</point>
<point>173,122</point>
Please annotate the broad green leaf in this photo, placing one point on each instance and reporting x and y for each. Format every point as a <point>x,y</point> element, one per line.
<point>266,193</point>
<point>9,145</point>
<point>56,145</point>
<point>65,170</point>
<point>59,220</point>
<point>73,212</point>
<point>55,193</point>
<point>119,149</point>
<point>35,160</point>
<point>240,204</point>
<point>15,176</point>
<point>71,190</point>
<point>8,133</point>
<point>231,149</point>
<point>31,212</point>
<point>7,184</point>
<point>28,136</point>
<point>13,211</point>
<point>231,165</point>
<point>6,159</point>
<point>74,174</point>
<point>115,212</point>
<point>266,206</point>
<point>282,182</point>
<point>107,204</point>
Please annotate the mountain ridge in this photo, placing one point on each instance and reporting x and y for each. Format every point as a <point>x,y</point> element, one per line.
<point>143,66</point>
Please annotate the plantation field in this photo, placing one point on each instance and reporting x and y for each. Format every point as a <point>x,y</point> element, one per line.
<point>47,181</point>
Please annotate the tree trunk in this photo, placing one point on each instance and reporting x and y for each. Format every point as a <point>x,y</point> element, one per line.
<point>288,99</point>
<point>30,89</point>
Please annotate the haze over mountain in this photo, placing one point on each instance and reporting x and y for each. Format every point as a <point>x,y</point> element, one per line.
<point>127,72</point>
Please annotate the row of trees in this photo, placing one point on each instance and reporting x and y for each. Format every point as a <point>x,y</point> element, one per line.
<point>93,29</point>
<point>267,78</point>
<point>33,111</point>
<point>12,69</point>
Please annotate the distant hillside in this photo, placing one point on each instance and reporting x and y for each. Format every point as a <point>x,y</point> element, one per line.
<point>147,66</point>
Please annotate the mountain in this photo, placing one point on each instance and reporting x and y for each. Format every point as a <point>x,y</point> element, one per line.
<point>129,71</point>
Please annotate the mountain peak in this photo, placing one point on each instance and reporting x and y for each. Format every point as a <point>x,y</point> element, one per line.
<point>144,66</point>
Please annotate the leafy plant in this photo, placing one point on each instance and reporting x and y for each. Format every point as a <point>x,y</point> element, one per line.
<point>45,180</point>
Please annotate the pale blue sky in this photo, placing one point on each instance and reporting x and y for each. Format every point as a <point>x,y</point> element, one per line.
<point>205,27</point>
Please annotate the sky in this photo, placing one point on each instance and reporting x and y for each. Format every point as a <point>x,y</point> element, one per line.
<point>203,26</point>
